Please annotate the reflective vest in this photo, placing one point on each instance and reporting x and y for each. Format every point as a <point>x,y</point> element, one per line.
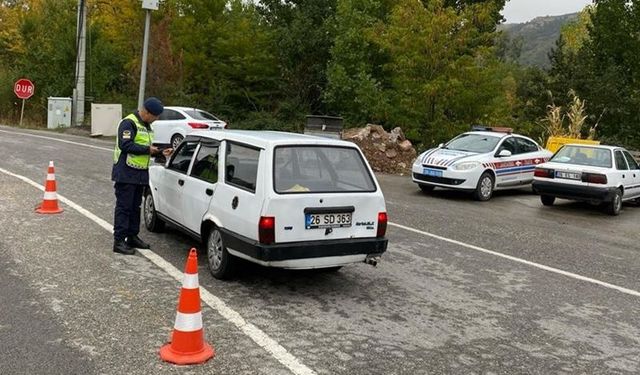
<point>143,137</point>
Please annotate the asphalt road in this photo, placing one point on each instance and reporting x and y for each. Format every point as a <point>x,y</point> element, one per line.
<point>502,287</point>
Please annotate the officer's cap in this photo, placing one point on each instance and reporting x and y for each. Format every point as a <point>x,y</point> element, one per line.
<point>154,106</point>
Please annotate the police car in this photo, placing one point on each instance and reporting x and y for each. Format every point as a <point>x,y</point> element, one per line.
<point>277,199</point>
<point>480,161</point>
<point>606,175</point>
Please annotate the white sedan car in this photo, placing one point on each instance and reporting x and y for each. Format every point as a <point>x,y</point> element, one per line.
<point>604,175</point>
<point>277,199</point>
<point>480,161</point>
<point>176,122</point>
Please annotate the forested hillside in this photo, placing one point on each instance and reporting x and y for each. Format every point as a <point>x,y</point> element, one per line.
<point>536,38</point>
<point>430,67</point>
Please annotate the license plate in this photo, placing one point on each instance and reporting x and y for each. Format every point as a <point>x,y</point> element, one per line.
<point>432,172</point>
<point>319,221</point>
<point>568,175</point>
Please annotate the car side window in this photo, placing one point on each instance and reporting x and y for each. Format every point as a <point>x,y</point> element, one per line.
<point>621,163</point>
<point>633,164</point>
<point>510,145</point>
<point>183,156</point>
<point>526,145</point>
<point>169,114</point>
<point>205,166</point>
<point>241,166</point>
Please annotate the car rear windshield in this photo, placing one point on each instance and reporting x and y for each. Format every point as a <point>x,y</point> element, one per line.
<point>197,114</point>
<point>591,156</point>
<point>479,143</point>
<point>320,169</point>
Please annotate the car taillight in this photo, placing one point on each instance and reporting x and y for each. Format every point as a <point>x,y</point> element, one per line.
<point>267,230</point>
<point>382,224</point>
<point>543,172</point>
<point>594,178</point>
<point>198,125</point>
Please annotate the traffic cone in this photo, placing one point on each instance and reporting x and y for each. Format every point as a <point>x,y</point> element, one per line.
<point>50,202</point>
<point>187,346</point>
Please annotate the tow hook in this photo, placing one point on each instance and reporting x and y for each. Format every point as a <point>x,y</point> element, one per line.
<point>372,260</point>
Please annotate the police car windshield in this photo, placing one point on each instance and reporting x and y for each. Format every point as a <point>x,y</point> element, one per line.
<point>479,143</point>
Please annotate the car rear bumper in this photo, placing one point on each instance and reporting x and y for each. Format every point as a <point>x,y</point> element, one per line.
<point>340,251</point>
<point>574,192</point>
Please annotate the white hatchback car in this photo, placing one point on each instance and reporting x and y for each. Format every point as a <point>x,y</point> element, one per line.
<point>277,199</point>
<point>480,161</point>
<point>176,122</point>
<point>605,175</point>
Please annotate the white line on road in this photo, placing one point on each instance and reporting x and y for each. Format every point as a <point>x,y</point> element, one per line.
<point>256,334</point>
<point>519,260</point>
<point>58,140</point>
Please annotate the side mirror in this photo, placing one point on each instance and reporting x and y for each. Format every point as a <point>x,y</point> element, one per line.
<point>441,145</point>
<point>504,153</point>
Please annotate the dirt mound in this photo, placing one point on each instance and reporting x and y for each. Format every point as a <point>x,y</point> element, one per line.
<point>387,152</point>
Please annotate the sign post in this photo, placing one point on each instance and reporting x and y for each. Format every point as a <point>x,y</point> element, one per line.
<point>24,89</point>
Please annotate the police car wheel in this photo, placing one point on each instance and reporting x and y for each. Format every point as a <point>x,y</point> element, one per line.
<point>426,188</point>
<point>484,189</point>
<point>221,264</point>
<point>151,220</point>
<point>615,206</point>
<point>176,140</point>
<point>547,200</point>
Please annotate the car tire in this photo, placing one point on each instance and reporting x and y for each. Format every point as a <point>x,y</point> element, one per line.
<point>484,189</point>
<point>152,221</point>
<point>547,200</point>
<point>176,140</point>
<point>615,206</point>
<point>221,264</point>
<point>426,188</point>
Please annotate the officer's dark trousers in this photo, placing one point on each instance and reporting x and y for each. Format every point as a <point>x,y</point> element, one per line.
<point>126,222</point>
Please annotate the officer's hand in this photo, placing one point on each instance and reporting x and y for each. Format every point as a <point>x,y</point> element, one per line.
<point>167,152</point>
<point>153,150</point>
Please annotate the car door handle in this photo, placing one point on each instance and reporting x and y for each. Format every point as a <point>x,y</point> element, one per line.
<point>180,182</point>
<point>209,192</point>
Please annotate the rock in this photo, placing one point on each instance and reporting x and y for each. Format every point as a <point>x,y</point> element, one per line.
<point>391,153</point>
<point>405,145</point>
<point>382,147</point>
<point>397,135</point>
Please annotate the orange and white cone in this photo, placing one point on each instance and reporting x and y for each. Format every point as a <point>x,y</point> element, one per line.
<point>187,346</point>
<point>50,202</point>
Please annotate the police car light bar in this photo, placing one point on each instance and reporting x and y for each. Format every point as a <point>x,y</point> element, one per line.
<point>497,129</point>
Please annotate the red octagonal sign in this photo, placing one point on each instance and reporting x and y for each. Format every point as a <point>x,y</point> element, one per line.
<point>24,88</point>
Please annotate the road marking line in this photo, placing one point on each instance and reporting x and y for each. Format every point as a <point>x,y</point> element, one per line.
<point>58,140</point>
<point>254,333</point>
<point>519,260</point>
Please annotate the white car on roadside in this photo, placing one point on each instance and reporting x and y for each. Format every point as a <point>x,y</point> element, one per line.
<point>277,199</point>
<point>176,122</point>
<point>605,175</point>
<point>480,161</point>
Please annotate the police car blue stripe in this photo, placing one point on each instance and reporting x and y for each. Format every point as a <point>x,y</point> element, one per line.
<point>514,169</point>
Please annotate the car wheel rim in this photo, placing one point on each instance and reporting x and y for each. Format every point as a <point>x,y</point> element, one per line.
<point>618,203</point>
<point>485,187</point>
<point>148,209</point>
<point>176,142</point>
<point>214,250</point>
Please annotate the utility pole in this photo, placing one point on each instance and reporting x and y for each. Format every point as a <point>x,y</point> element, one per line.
<point>78,94</point>
<point>148,5</point>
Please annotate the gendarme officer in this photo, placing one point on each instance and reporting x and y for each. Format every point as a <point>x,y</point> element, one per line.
<point>130,173</point>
